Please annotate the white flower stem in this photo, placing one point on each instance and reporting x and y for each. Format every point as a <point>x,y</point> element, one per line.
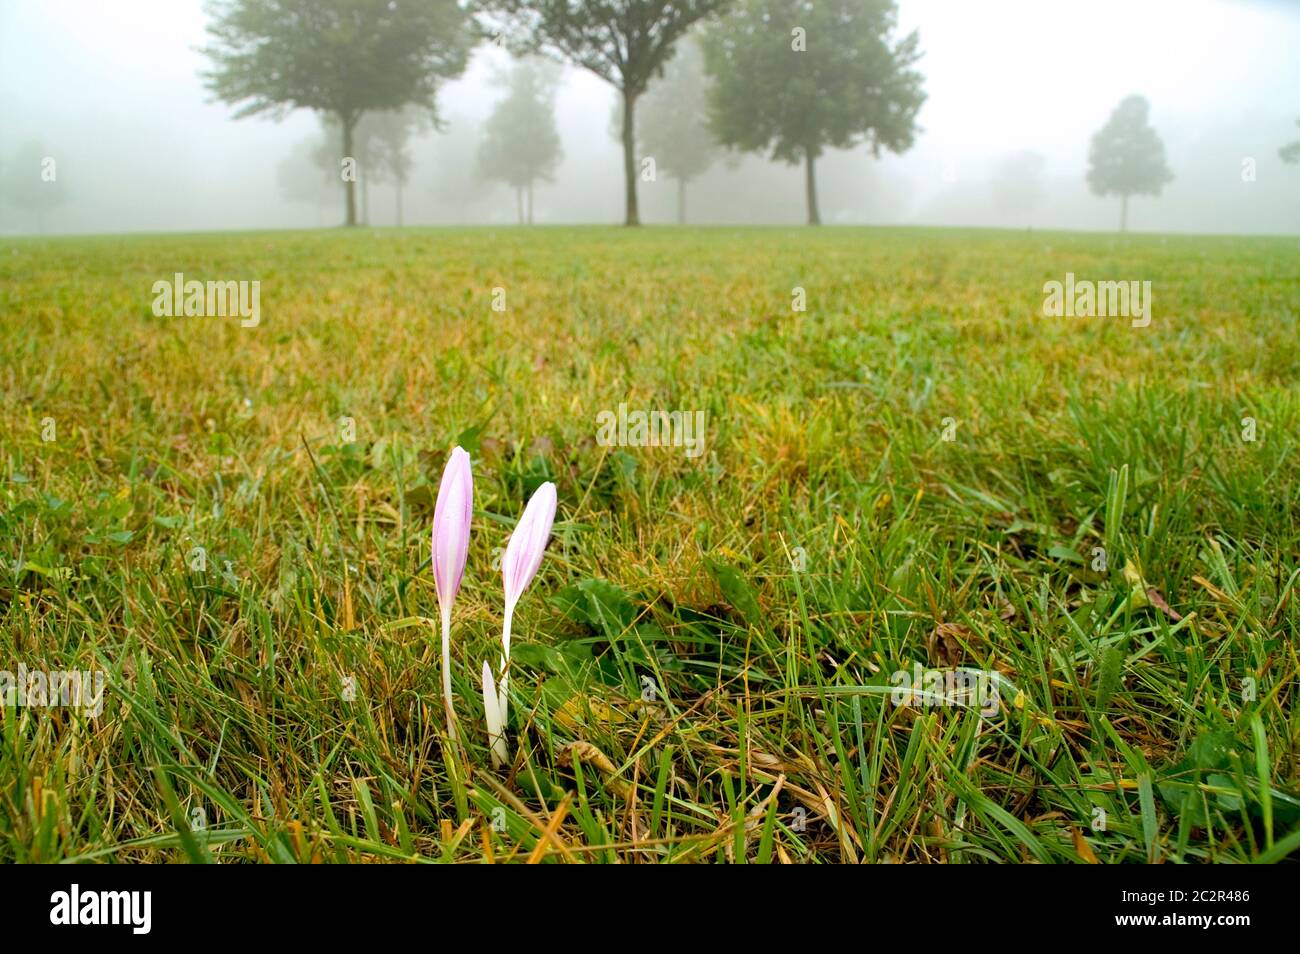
<point>504,705</point>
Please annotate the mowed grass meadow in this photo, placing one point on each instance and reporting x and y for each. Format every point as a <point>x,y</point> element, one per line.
<point>702,668</point>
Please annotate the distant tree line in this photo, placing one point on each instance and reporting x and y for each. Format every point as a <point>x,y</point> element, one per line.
<point>793,77</point>
<point>790,79</point>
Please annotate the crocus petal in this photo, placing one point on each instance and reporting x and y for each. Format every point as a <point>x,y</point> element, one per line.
<point>492,714</point>
<point>528,543</point>
<point>451,522</point>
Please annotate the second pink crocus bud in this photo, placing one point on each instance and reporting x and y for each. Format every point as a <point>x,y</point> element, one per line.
<point>451,522</point>
<point>518,567</point>
<point>527,544</point>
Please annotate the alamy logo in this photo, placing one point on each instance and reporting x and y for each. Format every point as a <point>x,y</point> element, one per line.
<point>1088,299</point>
<point>37,689</point>
<point>103,907</point>
<point>196,299</point>
<point>948,688</point>
<point>651,429</point>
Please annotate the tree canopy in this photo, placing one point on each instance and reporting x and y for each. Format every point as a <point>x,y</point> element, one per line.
<point>797,77</point>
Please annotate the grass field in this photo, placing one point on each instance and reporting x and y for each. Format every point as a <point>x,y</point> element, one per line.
<point>702,669</point>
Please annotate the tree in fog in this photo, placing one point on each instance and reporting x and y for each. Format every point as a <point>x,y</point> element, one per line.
<point>798,77</point>
<point>672,124</point>
<point>624,42</point>
<point>1291,151</point>
<point>380,146</point>
<point>1017,185</point>
<point>1127,157</point>
<point>355,168</point>
<point>390,133</point>
<point>305,175</point>
<point>30,183</point>
<point>342,58</point>
<point>520,142</point>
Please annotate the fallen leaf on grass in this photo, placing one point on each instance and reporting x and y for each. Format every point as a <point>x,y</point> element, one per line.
<point>1082,848</point>
<point>945,644</point>
<point>1158,601</point>
<point>594,756</point>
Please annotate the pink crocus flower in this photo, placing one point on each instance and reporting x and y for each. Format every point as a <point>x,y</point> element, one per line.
<point>451,523</point>
<point>518,567</point>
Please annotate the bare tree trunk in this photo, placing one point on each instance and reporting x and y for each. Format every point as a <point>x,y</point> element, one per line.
<point>681,201</point>
<point>629,158</point>
<point>365,192</point>
<point>814,216</point>
<point>399,201</point>
<point>530,203</point>
<point>349,187</point>
<point>519,204</point>
<point>1123,213</point>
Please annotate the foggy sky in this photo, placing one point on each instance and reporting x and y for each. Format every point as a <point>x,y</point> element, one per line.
<point>112,91</point>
